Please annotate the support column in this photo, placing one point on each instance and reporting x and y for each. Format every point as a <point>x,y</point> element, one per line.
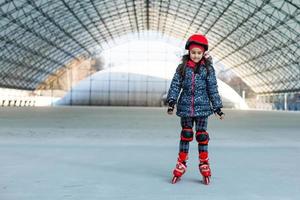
<point>285,101</point>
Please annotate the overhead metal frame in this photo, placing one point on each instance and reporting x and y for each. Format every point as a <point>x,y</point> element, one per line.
<point>258,40</point>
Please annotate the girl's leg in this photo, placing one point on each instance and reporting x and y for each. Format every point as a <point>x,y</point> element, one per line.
<point>202,138</point>
<point>186,137</point>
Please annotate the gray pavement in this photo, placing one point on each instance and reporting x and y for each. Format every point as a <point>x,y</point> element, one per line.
<point>129,153</point>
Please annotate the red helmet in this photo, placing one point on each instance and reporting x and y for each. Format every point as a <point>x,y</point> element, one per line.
<point>197,39</point>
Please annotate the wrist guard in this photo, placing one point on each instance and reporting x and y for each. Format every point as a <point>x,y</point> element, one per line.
<point>219,112</point>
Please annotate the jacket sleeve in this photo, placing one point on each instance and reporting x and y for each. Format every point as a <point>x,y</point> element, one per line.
<point>175,87</point>
<point>212,88</point>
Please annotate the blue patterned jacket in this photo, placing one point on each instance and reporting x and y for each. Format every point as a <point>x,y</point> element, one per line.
<point>199,92</point>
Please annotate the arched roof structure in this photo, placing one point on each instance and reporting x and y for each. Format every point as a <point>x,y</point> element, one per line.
<point>258,40</point>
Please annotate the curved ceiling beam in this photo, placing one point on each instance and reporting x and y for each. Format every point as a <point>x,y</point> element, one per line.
<point>252,40</point>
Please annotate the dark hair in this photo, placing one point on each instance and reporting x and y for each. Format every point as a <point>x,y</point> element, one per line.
<point>185,58</point>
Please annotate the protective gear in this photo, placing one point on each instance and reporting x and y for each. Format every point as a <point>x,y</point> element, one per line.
<point>171,104</point>
<point>219,112</point>
<point>187,134</point>
<point>194,45</point>
<point>205,172</point>
<point>180,168</point>
<point>197,39</point>
<point>202,137</point>
<point>171,107</point>
<point>204,167</point>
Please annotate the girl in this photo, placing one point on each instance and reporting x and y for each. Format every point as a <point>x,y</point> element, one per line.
<point>199,98</point>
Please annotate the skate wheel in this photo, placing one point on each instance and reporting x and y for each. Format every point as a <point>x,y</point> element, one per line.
<point>175,179</point>
<point>206,180</point>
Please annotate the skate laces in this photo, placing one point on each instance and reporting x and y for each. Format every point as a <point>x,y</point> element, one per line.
<point>204,166</point>
<point>180,166</point>
<point>205,169</point>
<point>179,169</point>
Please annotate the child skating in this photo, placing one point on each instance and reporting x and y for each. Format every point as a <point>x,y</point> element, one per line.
<point>195,81</point>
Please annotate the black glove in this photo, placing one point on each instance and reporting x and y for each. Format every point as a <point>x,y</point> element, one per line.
<point>219,112</point>
<point>171,106</point>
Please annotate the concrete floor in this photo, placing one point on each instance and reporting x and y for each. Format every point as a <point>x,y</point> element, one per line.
<point>129,153</point>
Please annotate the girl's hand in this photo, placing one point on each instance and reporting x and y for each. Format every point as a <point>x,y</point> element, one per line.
<point>171,108</point>
<point>220,117</point>
<point>219,114</point>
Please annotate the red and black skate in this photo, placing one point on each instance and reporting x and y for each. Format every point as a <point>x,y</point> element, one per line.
<point>204,167</point>
<point>178,172</point>
<point>205,172</point>
<point>180,168</point>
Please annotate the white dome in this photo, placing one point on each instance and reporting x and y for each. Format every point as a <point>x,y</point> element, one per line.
<point>118,88</point>
<point>112,87</point>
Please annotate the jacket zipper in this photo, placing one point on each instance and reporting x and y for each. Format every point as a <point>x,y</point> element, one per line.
<point>193,94</point>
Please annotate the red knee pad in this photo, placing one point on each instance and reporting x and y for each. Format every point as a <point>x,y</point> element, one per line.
<point>202,137</point>
<point>187,134</point>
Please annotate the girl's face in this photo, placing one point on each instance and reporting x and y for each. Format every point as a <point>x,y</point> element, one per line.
<point>196,54</point>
